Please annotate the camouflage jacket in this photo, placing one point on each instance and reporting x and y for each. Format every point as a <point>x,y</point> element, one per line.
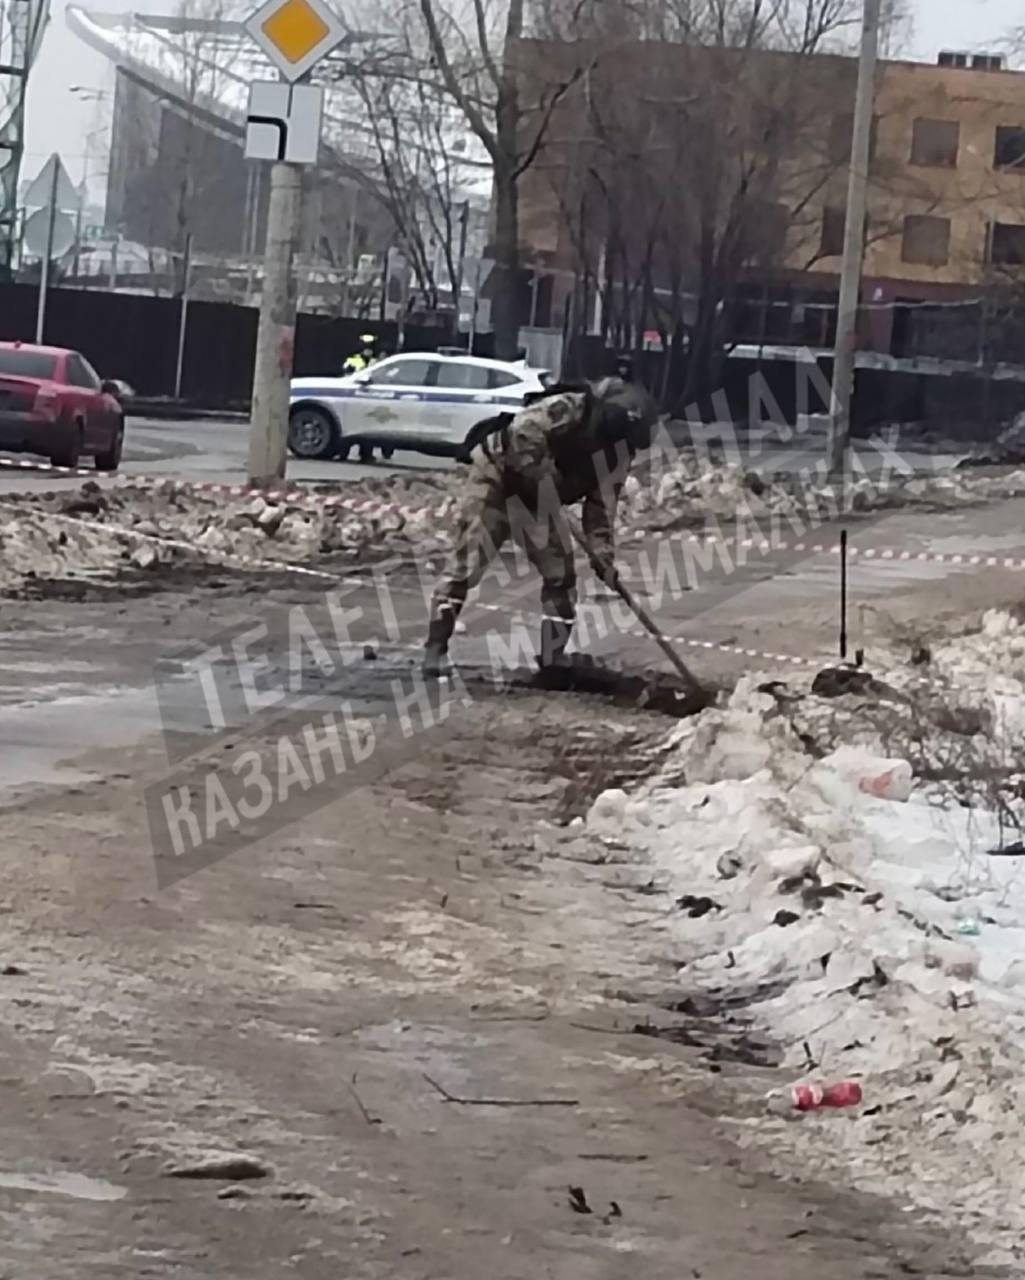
<point>552,449</point>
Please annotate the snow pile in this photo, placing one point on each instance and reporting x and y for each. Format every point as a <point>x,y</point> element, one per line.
<point>876,937</point>
<point>686,489</point>
<point>990,660</point>
<point>397,514</point>
<point>970,695</point>
<point>32,546</point>
<point>109,531</point>
<point>1006,449</point>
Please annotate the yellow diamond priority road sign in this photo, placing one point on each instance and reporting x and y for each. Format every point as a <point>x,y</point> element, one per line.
<point>295,34</point>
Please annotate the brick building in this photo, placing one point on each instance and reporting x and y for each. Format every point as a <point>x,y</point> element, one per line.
<point>947,192</point>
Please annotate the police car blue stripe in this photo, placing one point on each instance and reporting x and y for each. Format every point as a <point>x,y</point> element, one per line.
<point>405,393</point>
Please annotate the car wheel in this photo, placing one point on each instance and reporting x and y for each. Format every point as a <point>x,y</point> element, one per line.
<point>71,454</point>
<point>111,460</point>
<point>366,453</point>
<point>312,433</point>
<point>387,453</point>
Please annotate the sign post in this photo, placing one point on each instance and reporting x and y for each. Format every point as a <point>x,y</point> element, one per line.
<point>49,232</point>
<point>183,317</point>
<point>44,275</point>
<point>282,127</point>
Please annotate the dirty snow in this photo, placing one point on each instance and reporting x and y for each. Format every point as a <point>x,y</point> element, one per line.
<point>108,531</point>
<point>879,936</point>
<point>104,532</point>
<point>684,487</point>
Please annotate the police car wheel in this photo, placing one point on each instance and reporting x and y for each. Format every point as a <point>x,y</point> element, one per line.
<point>312,433</point>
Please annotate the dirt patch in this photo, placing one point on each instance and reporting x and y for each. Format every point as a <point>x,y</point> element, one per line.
<point>288,1009</point>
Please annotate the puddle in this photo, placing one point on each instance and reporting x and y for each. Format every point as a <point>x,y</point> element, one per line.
<point>35,738</point>
<point>76,1185</point>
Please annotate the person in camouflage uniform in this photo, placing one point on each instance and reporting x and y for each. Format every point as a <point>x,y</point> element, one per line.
<point>569,446</point>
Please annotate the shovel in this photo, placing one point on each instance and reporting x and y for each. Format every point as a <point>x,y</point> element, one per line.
<point>643,617</point>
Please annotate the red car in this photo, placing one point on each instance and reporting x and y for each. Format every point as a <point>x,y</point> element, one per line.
<point>53,403</point>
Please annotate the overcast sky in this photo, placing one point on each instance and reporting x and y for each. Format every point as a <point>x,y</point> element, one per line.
<point>58,121</point>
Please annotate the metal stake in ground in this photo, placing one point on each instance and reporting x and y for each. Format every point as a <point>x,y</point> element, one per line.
<point>843,595</point>
<point>614,584</point>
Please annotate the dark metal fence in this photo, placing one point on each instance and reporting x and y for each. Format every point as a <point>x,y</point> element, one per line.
<point>135,338</point>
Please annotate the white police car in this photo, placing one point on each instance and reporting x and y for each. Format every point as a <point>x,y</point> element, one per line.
<point>427,401</point>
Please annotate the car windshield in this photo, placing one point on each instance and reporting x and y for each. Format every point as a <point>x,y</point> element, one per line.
<point>27,364</point>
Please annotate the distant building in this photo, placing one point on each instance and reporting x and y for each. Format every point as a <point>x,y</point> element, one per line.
<point>177,167</point>
<point>947,190</point>
<point>947,200</point>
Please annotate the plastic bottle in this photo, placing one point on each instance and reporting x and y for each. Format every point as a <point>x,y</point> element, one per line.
<point>814,1097</point>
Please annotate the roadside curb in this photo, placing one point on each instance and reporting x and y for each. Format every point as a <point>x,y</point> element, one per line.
<point>172,411</point>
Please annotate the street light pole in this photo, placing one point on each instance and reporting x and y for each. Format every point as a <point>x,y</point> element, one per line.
<point>275,340</point>
<point>854,246</point>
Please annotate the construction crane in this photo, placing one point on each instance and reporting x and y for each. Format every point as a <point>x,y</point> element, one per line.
<point>22,24</point>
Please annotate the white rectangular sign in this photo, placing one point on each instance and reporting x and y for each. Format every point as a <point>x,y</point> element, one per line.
<point>283,122</point>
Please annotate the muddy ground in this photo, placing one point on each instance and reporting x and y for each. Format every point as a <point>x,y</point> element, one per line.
<point>306,1003</point>
<point>414,1008</point>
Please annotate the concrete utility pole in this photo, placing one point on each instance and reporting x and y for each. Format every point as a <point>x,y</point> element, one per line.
<point>854,246</point>
<point>275,340</point>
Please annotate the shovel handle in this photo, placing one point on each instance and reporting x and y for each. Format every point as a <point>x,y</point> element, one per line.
<point>643,617</point>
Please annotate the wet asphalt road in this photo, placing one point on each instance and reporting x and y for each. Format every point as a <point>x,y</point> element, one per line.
<point>52,682</point>
<point>204,451</point>
<point>216,451</point>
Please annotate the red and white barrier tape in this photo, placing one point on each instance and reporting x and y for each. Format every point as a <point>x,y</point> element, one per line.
<point>178,544</point>
<point>273,496</point>
<point>375,508</point>
<point>277,566</point>
<point>297,497</point>
<point>737,651</point>
<point>886,555</point>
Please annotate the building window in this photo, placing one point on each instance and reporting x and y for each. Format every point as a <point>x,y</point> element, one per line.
<point>841,138</point>
<point>935,143</point>
<point>1007,244</point>
<point>834,225</point>
<point>1009,152</point>
<point>926,240</point>
<point>766,230</point>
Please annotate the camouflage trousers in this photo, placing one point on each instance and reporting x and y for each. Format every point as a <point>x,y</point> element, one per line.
<point>489,516</point>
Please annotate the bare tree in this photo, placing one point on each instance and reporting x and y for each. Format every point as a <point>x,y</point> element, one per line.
<point>471,56</point>
<point>700,150</point>
<point>414,165</point>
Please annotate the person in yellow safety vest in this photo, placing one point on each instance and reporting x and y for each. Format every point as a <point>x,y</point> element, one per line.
<point>363,358</point>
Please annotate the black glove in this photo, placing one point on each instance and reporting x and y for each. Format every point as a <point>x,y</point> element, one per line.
<point>609,574</point>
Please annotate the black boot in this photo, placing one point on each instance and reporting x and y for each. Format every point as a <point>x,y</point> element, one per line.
<point>436,661</point>
<point>555,634</point>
